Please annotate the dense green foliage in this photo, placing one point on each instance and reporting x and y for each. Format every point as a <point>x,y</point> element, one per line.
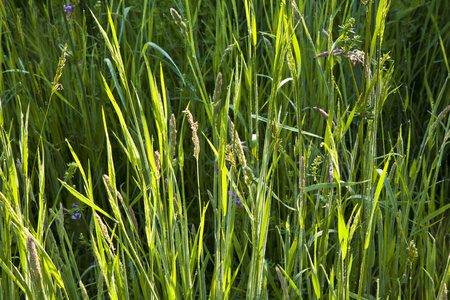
<point>224,149</point>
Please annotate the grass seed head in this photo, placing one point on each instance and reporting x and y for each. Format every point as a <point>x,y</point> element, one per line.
<point>60,220</point>
<point>133,218</point>
<point>324,113</point>
<point>111,189</point>
<point>412,252</point>
<point>83,290</point>
<point>248,175</point>
<point>61,64</point>
<point>438,120</point>
<point>176,16</point>
<point>216,98</point>
<point>357,57</point>
<point>35,266</point>
<point>158,164</point>
<point>237,144</point>
<point>194,127</point>
<point>302,173</point>
<point>104,230</point>
<point>173,135</point>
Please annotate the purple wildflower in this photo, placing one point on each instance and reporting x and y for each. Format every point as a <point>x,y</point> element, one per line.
<point>217,170</point>
<point>76,216</point>
<point>69,9</point>
<point>238,200</point>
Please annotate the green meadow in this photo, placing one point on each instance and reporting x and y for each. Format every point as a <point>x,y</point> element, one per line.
<point>224,149</point>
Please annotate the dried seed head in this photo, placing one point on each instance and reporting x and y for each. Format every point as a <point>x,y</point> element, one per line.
<point>173,135</point>
<point>194,127</point>
<point>326,53</point>
<point>324,113</point>
<point>302,176</point>
<point>107,180</point>
<point>108,183</point>
<point>357,57</point>
<point>35,266</point>
<point>337,52</point>
<point>158,164</point>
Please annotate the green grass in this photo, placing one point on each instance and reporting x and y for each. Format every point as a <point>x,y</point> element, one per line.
<point>215,151</point>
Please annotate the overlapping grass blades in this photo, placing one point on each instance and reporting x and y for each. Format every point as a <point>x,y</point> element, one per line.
<point>318,167</point>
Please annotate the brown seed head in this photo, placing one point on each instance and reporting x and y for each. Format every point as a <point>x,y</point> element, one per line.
<point>194,127</point>
<point>35,266</point>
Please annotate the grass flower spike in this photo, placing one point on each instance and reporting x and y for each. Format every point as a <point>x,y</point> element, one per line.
<point>194,127</point>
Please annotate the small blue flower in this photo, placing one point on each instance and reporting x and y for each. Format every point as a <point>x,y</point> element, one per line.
<point>75,205</point>
<point>76,216</point>
<point>69,8</point>
<point>238,200</point>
